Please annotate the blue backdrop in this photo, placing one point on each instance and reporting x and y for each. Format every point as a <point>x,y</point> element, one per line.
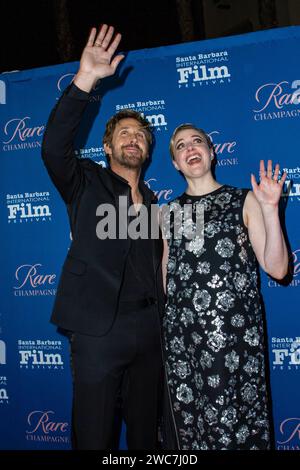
<point>245,92</point>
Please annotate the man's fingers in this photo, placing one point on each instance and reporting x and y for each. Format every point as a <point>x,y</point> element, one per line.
<point>113,47</point>
<point>104,38</point>
<point>101,35</point>
<point>116,60</point>
<point>91,38</point>
<point>107,38</point>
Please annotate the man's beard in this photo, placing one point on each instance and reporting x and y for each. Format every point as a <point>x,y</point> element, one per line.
<point>127,160</point>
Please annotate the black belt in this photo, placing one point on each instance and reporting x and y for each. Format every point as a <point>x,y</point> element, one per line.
<point>131,305</point>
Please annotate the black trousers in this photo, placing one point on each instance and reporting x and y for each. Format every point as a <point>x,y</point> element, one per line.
<point>124,364</point>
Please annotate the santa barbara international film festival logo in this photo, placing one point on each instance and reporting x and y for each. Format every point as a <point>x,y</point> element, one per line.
<point>277,100</point>
<point>38,354</point>
<point>96,153</point>
<point>209,68</point>
<point>285,353</point>
<point>44,426</point>
<point>32,281</point>
<point>28,207</point>
<point>289,434</point>
<point>291,188</point>
<point>153,109</point>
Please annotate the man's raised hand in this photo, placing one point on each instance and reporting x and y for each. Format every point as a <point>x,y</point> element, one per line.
<point>97,59</point>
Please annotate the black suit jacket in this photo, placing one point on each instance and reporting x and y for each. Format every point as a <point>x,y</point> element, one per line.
<point>89,286</point>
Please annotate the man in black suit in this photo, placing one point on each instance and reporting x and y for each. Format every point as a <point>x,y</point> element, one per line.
<point>110,294</point>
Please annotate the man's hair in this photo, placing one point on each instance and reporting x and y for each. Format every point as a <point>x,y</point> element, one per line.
<point>183,127</point>
<point>124,114</point>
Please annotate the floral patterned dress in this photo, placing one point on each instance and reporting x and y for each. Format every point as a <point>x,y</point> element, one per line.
<point>213,330</point>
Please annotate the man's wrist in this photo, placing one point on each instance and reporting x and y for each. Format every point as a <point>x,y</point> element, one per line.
<point>85,81</point>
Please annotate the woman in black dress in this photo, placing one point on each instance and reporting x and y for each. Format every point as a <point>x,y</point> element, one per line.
<point>213,326</point>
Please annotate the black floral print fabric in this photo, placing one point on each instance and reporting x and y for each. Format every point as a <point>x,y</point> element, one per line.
<point>213,329</point>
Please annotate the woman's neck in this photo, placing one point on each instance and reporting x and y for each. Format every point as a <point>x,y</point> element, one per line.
<point>199,186</point>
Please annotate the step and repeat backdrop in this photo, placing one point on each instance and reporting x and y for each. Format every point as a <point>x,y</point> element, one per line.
<point>245,92</point>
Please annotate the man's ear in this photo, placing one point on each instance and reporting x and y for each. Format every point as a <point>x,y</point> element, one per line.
<point>107,149</point>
